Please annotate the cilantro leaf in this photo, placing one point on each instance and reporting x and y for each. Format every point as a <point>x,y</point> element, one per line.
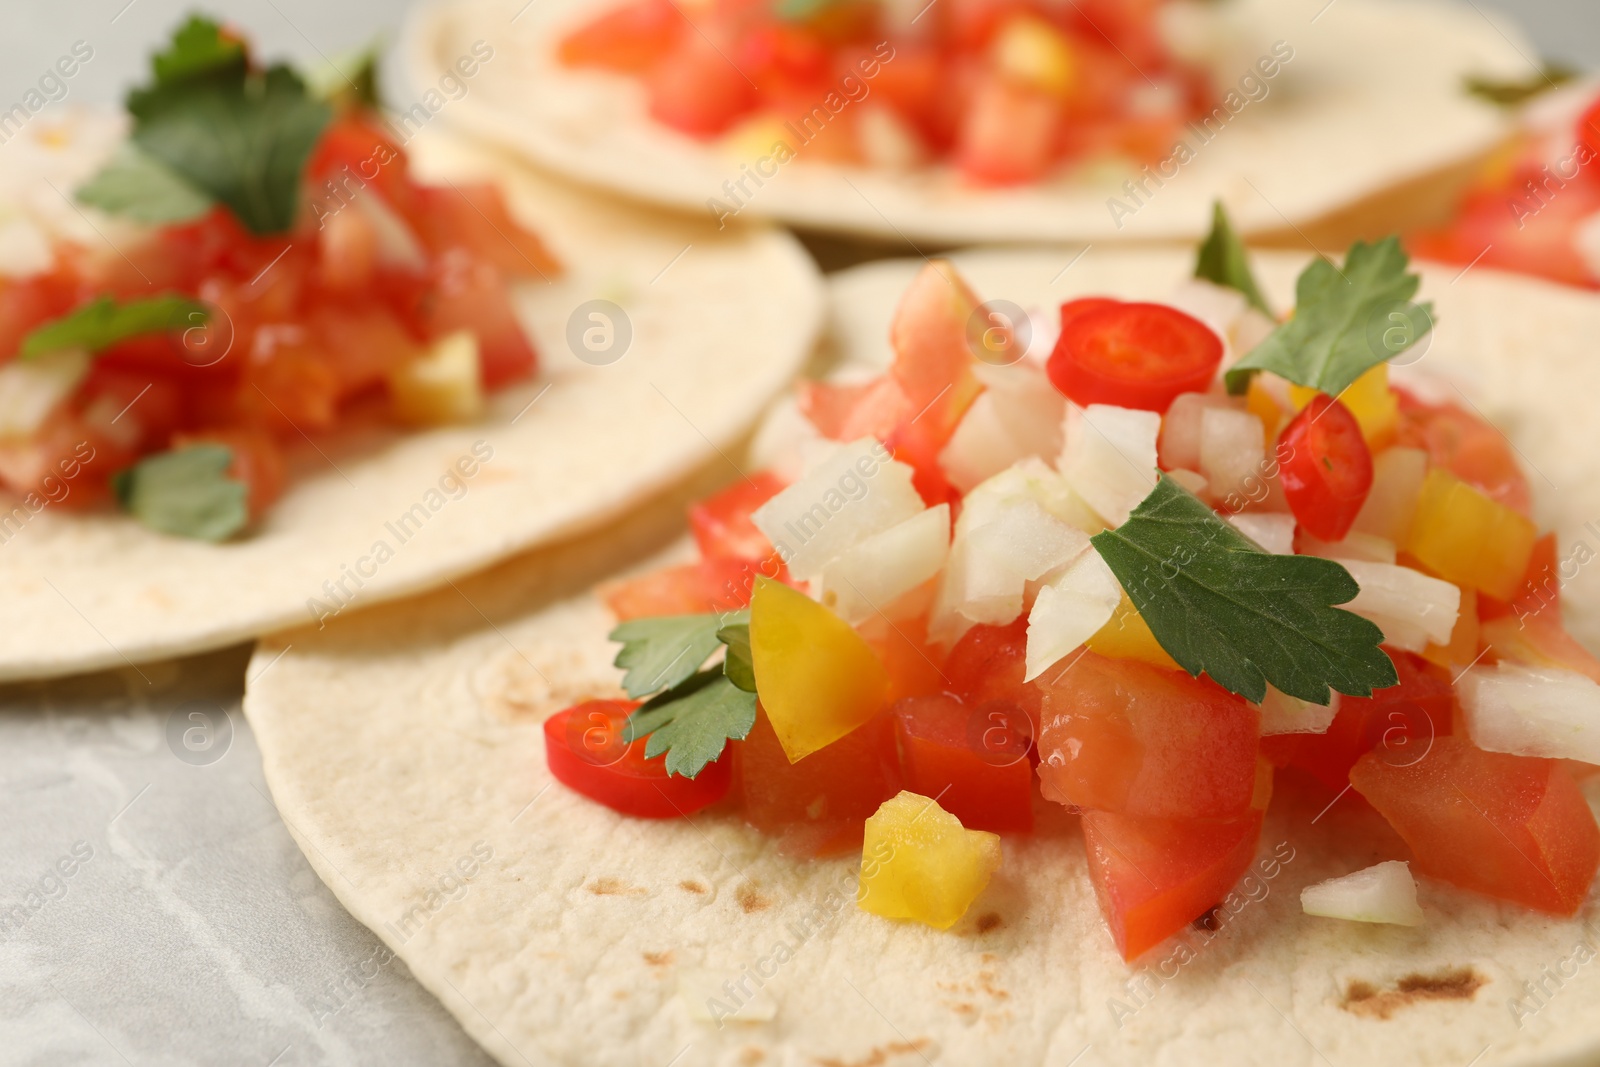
<point>1220,605</point>
<point>661,652</point>
<point>104,322</point>
<point>1343,321</point>
<point>137,186</point>
<point>186,493</point>
<point>199,48</point>
<point>1510,93</point>
<point>1222,260</point>
<point>693,723</point>
<point>739,666</point>
<point>243,141</point>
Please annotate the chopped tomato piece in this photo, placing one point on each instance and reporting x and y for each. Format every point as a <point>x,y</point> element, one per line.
<point>1541,586</point>
<point>1540,640</point>
<point>628,38</point>
<point>852,411</point>
<point>1511,827</point>
<point>1399,724</point>
<point>986,667</point>
<point>1009,134</point>
<point>715,584</point>
<point>721,523</point>
<point>26,303</point>
<point>933,354</point>
<point>696,89</point>
<point>1325,468</point>
<point>1155,876</point>
<point>474,216</point>
<point>1121,735</point>
<point>819,804</point>
<point>471,295</point>
<point>1466,446</point>
<point>917,444</point>
<point>911,662</point>
<point>974,760</point>
<point>1133,355</point>
<point>585,750</point>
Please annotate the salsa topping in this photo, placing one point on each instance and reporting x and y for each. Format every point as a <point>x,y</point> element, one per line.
<point>970,589</point>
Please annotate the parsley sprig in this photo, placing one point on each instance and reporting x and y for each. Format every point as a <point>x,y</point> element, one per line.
<point>1219,604</point>
<point>1222,260</point>
<point>694,712</point>
<point>104,322</point>
<point>1344,321</point>
<point>209,129</point>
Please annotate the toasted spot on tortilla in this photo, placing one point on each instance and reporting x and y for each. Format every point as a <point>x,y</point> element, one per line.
<point>989,921</point>
<point>516,687</point>
<point>658,959</point>
<point>1456,983</point>
<point>749,1056</point>
<point>691,886</point>
<point>750,900</point>
<point>882,1054</point>
<point>614,887</point>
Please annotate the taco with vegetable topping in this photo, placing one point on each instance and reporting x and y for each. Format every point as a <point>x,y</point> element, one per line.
<point>989,121</point>
<point>1121,671</point>
<point>278,356</point>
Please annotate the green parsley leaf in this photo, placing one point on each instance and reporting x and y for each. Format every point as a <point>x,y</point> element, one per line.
<point>1220,605</point>
<point>139,187</point>
<point>739,666</point>
<point>104,322</point>
<point>693,723</point>
<point>186,493</point>
<point>1510,93</point>
<point>1345,322</point>
<point>199,49</point>
<point>801,10</point>
<point>660,653</point>
<point>349,79</point>
<point>1222,260</point>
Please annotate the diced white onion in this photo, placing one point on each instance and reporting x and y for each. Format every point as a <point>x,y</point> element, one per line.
<point>886,140</point>
<point>1179,441</point>
<point>1383,893</point>
<point>869,578</point>
<point>1272,531</point>
<point>30,389</point>
<point>1193,481</point>
<point>1017,416</point>
<point>1031,479</point>
<point>1215,305</point>
<point>1069,610</point>
<point>1110,457</point>
<point>1232,450</point>
<point>855,492</point>
<point>1410,607</point>
<point>1397,475</point>
<point>1355,546</point>
<point>1000,558</point>
<point>782,440</point>
<point>1284,714</point>
<point>1249,330</point>
<point>397,245</point>
<point>1532,711</point>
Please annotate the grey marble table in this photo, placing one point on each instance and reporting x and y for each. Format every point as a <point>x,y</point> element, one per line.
<point>154,909</point>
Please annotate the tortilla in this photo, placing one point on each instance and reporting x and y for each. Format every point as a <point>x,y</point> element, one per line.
<point>403,748</point>
<point>719,322</point>
<point>1373,99</point>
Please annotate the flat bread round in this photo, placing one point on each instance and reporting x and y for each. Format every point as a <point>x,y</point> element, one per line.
<point>403,748</point>
<point>1373,98</point>
<point>711,325</point>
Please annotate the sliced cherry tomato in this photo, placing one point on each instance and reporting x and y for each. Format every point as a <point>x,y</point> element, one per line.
<point>972,760</point>
<point>1121,735</point>
<point>1325,468</point>
<point>1155,876</point>
<point>1085,304</point>
<point>1511,827</point>
<point>721,523</point>
<point>1133,356</point>
<point>819,805</point>
<point>585,750</point>
<point>1399,723</point>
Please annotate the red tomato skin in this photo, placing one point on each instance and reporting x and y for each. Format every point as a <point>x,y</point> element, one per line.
<point>1072,309</point>
<point>585,752</point>
<point>1511,827</point>
<point>1400,722</point>
<point>819,805</point>
<point>987,666</point>
<point>721,523</point>
<point>1133,355</point>
<point>917,444</point>
<point>1325,468</point>
<point>1153,877</point>
<point>1125,736</point>
<point>972,760</point>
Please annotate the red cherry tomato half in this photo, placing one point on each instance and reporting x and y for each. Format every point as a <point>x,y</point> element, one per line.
<point>1325,468</point>
<point>584,748</point>
<point>1132,355</point>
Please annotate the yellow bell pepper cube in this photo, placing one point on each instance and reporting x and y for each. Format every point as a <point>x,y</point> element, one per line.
<point>1466,537</point>
<point>1258,401</point>
<point>816,677</point>
<point>440,386</point>
<point>1376,407</point>
<point>1127,636</point>
<point>1032,52</point>
<point>918,862</point>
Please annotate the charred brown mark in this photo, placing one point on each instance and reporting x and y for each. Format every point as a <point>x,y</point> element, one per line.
<point>658,959</point>
<point>1455,983</point>
<point>614,887</point>
<point>989,920</point>
<point>882,1054</point>
<point>691,886</point>
<point>750,900</point>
